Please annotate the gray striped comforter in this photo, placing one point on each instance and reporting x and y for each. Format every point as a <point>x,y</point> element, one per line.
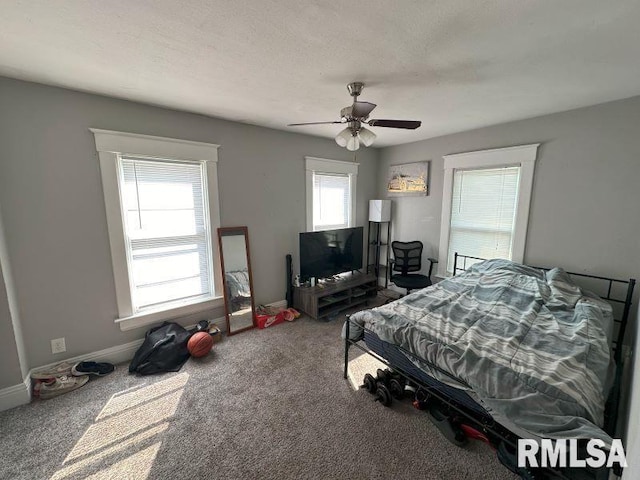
<point>533,346</point>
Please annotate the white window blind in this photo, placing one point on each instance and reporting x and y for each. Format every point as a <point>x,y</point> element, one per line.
<point>167,231</point>
<point>331,201</point>
<point>483,211</point>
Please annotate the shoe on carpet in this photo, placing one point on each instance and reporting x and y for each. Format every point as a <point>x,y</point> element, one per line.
<point>58,370</point>
<point>61,385</point>
<point>92,368</point>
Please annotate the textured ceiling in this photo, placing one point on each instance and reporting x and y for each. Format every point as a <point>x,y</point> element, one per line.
<point>454,64</point>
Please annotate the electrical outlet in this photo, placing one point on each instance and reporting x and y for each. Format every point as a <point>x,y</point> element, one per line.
<point>58,345</point>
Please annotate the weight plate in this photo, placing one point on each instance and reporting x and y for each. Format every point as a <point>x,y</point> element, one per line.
<point>383,395</point>
<point>383,375</point>
<point>397,388</point>
<point>370,383</point>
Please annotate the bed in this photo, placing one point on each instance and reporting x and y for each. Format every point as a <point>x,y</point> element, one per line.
<point>511,350</point>
<point>238,289</point>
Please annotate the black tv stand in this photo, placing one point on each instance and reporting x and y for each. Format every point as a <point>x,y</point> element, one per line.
<point>329,299</point>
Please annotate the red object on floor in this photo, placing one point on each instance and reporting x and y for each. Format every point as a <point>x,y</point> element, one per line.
<point>265,320</point>
<point>471,432</point>
<point>268,318</point>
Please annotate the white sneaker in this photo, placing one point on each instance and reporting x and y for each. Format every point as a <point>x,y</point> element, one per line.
<point>60,385</point>
<point>58,370</point>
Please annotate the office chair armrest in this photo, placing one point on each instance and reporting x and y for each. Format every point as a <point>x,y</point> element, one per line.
<point>432,261</point>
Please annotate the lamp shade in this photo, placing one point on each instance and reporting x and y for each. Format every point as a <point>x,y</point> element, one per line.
<point>343,137</point>
<point>379,210</point>
<point>367,136</point>
<point>353,144</point>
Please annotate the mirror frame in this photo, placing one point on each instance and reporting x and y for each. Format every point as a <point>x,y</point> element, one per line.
<point>227,307</point>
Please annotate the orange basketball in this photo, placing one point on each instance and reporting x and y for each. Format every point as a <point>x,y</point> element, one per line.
<point>200,344</point>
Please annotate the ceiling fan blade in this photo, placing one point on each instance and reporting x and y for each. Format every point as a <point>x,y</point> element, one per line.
<point>310,123</point>
<point>407,124</point>
<point>362,109</point>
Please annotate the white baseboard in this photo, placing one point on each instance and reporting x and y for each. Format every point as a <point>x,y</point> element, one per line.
<point>15,395</point>
<point>21,394</point>
<point>119,353</point>
<point>220,322</point>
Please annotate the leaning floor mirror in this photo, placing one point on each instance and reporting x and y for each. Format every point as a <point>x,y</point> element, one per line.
<point>236,277</point>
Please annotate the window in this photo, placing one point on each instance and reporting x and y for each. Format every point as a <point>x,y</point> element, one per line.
<point>331,201</point>
<point>483,212</point>
<point>485,206</point>
<point>166,230</point>
<point>331,190</point>
<point>162,210</point>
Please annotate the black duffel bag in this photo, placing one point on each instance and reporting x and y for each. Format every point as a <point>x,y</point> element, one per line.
<point>164,350</point>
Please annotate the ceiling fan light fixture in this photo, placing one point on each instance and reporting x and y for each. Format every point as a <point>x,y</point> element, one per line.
<point>355,116</point>
<point>343,137</point>
<point>354,143</point>
<point>367,137</point>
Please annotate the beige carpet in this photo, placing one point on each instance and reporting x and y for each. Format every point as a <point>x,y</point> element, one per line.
<point>359,366</point>
<point>266,404</point>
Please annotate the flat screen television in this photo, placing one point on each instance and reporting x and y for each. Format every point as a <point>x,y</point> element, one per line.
<point>329,252</point>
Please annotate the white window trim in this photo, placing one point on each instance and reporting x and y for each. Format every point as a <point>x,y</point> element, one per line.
<point>323,165</point>
<point>523,156</point>
<point>111,144</point>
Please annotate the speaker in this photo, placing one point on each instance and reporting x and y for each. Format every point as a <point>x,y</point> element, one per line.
<point>379,210</point>
<point>289,294</point>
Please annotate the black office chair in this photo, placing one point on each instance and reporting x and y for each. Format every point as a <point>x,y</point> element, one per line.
<point>408,258</point>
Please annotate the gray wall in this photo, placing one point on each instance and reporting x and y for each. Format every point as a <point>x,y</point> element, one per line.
<point>54,215</point>
<point>584,211</point>
<point>10,371</point>
<point>13,358</point>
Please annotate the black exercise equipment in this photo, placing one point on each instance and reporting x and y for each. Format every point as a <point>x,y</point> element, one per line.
<point>370,384</point>
<point>383,375</point>
<point>289,282</point>
<point>385,386</point>
<point>446,424</point>
<point>421,399</point>
<point>396,386</point>
<point>383,395</point>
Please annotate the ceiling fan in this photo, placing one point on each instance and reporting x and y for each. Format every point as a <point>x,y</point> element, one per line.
<point>355,116</point>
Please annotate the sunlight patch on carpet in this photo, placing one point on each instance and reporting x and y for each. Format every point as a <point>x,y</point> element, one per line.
<point>123,437</point>
<point>130,398</point>
<point>75,469</point>
<point>137,465</point>
<point>360,366</point>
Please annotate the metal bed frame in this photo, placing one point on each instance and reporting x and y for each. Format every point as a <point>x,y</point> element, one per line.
<point>486,424</point>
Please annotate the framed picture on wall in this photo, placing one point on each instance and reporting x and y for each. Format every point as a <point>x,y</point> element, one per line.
<point>409,179</point>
